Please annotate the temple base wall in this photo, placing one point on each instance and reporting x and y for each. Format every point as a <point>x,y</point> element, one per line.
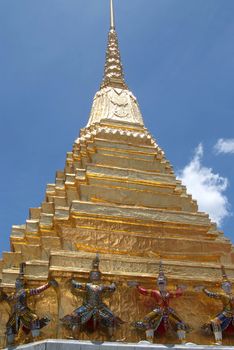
<point>86,345</point>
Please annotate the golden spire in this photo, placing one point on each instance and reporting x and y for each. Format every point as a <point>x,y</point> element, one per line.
<point>113,73</point>
<point>114,101</point>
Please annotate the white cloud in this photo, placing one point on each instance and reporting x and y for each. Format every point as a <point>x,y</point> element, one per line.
<point>224,146</point>
<point>206,187</point>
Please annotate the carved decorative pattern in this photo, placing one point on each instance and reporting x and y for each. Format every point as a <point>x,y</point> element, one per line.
<point>115,104</point>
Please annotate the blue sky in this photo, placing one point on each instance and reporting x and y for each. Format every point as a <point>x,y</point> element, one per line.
<point>178,59</point>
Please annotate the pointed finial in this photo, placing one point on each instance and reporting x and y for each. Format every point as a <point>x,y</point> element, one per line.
<point>112,15</point>
<point>161,272</point>
<point>161,276</point>
<point>21,270</point>
<point>95,263</point>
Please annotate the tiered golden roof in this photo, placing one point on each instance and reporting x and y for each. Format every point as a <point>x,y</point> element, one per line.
<point>117,195</point>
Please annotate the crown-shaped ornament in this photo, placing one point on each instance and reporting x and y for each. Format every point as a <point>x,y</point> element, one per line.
<point>224,274</point>
<point>161,276</point>
<point>20,280</point>
<point>95,273</point>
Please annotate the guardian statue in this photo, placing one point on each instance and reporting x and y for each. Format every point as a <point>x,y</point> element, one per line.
<point>163,317</point>
<point>224,320</point>
<point>93,313</point>
<point>22,317</point>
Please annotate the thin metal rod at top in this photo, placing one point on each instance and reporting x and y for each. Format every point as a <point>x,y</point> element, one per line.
<point>112,15</point>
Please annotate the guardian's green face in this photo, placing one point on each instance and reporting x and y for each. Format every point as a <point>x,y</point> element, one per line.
<point>19,284</point>
<point>227,287</point>
<point>95,276</point>
<point>162,285</point>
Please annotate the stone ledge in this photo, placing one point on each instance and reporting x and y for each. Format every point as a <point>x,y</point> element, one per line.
<point>52,344</point>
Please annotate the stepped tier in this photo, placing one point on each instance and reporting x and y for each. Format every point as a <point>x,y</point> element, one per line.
<point>118,195</point>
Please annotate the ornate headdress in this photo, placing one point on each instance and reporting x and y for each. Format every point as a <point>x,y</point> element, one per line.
<point>95,273</point>
<point>20,280</point>
<point>224,275</point>
<point>161,276</point>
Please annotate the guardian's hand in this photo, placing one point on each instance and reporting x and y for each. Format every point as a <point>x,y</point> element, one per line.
<point>73,283</point>
<point>53,283</point>
<point>113,286</point>
<point>198,288</point>
<point>182,287</point>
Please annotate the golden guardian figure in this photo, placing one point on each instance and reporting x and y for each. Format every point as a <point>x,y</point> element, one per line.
<point>93,313</point>
<point>223,322</point>
<point>163,317</point>
<point>22,317</point>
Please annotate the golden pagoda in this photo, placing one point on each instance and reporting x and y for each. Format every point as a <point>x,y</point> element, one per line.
<point>117,195</point>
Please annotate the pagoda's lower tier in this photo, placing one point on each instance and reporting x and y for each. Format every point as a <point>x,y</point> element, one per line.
<point>123,230</point>
<point>195,308</point>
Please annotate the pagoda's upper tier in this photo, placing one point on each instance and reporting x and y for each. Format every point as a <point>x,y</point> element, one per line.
<point>114,101</point>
